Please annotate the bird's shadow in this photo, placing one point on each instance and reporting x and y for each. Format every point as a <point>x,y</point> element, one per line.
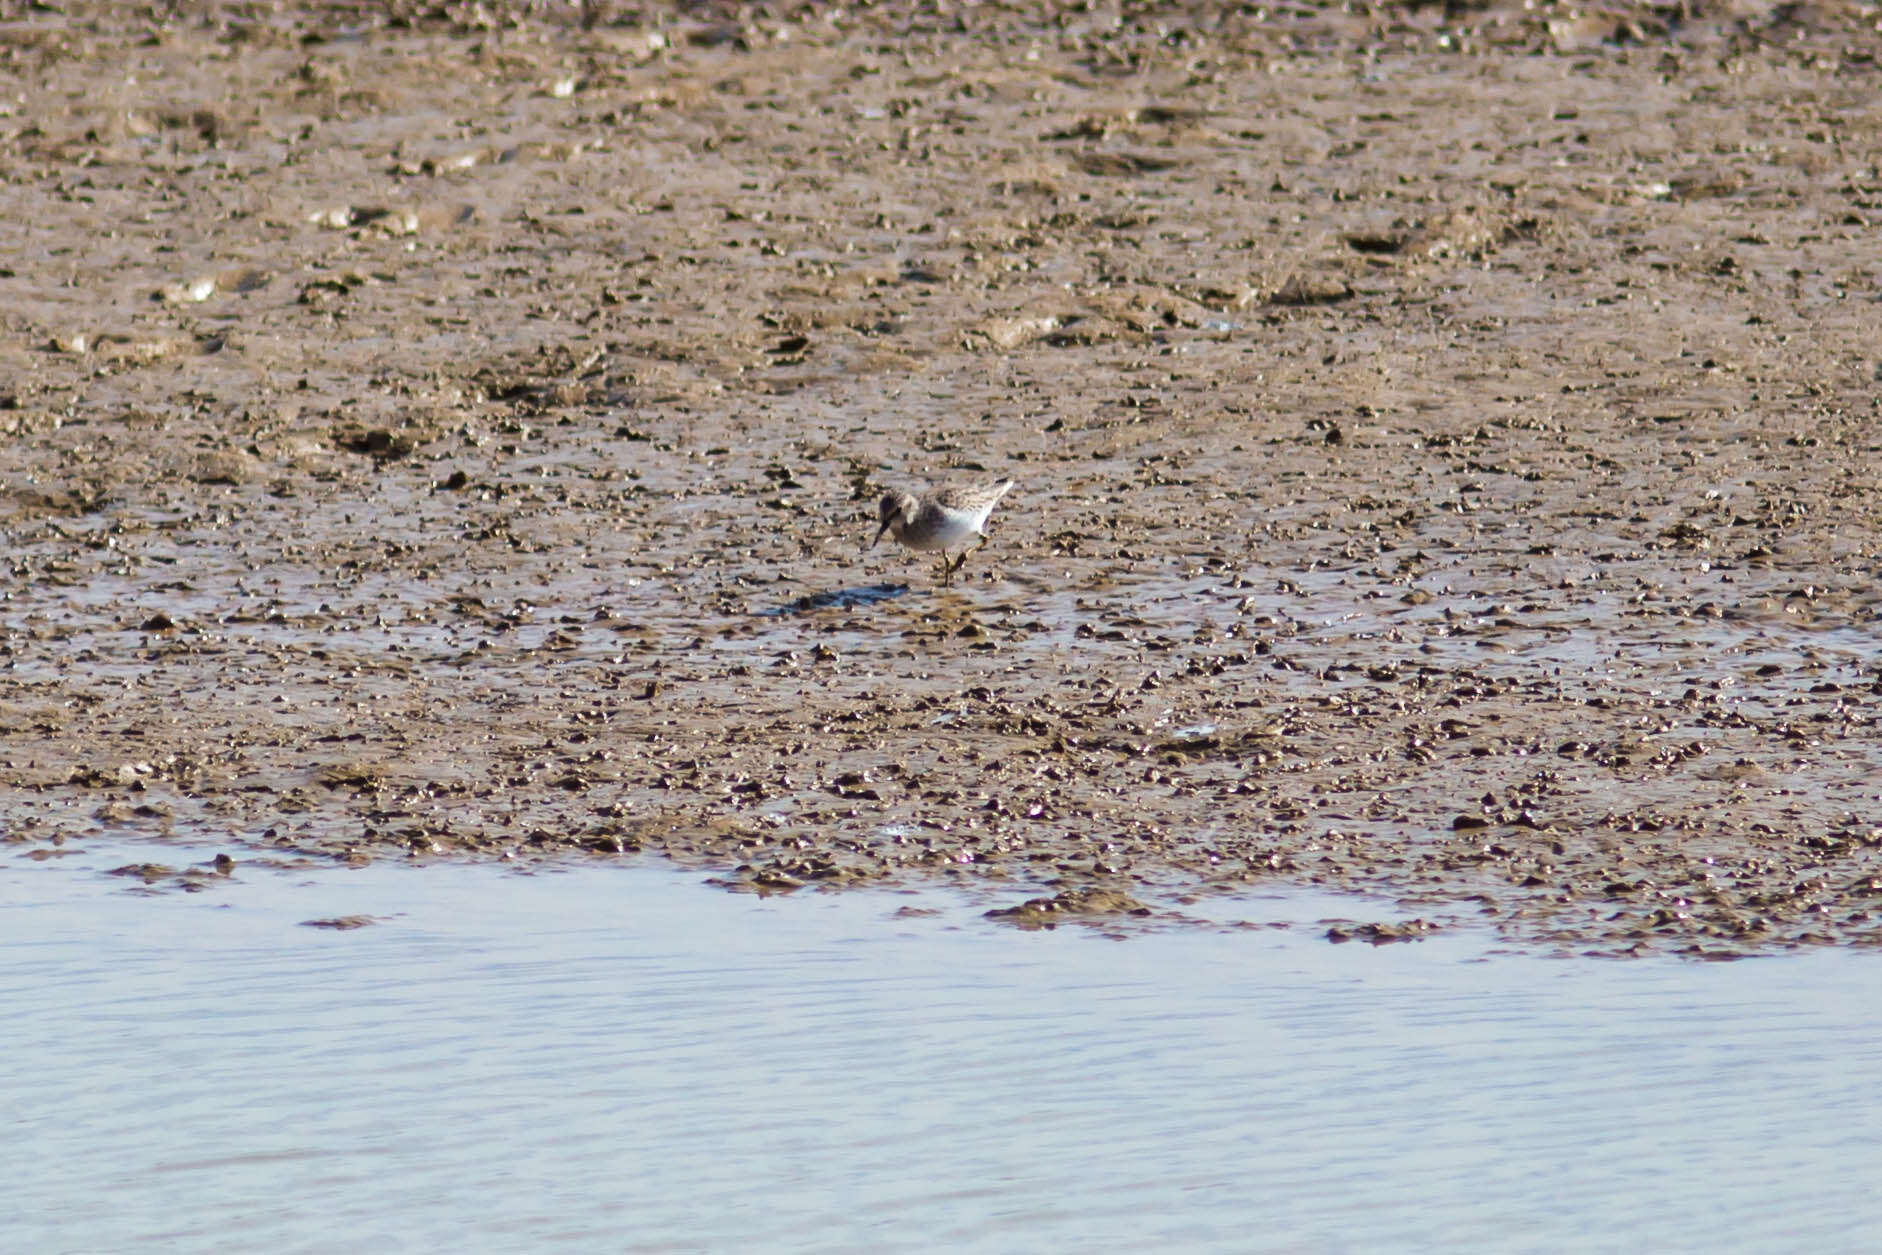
<point>838,599</point>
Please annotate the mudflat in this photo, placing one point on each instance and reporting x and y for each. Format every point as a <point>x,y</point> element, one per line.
<point>1446,442</point>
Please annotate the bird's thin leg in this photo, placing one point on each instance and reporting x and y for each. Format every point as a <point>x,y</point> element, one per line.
<point>962,560</point>
<point>947,570</point>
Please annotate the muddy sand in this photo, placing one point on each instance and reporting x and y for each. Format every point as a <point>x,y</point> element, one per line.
<point>1445,441</point>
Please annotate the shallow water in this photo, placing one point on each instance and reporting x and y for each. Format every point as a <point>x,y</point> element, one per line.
<point>616,1057</point>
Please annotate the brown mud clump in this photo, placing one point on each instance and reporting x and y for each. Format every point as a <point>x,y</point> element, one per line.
<point>1084,903</point>
<point>1444,437</point>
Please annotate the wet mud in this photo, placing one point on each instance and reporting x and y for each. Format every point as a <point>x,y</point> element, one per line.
<point>1445,440</point>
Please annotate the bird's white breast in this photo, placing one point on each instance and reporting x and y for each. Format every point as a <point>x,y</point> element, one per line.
<point>945,530</point>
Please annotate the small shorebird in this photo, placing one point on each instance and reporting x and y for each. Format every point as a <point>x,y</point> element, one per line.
<point>949,519</point>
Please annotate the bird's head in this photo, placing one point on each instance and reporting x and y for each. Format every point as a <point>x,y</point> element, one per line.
<point>896,511</point>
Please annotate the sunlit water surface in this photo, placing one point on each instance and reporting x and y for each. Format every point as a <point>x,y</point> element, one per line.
<point>618,1058</point>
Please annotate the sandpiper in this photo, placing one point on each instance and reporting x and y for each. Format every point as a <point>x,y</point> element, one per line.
<point>949,519</point>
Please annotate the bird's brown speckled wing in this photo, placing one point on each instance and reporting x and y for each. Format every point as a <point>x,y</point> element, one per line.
<point>973,497</point>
